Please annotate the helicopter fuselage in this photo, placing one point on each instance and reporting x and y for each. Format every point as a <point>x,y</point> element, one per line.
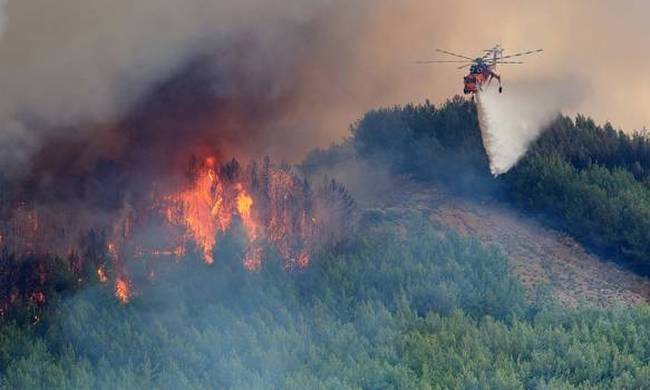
<point>482,69</point>
<point>480,73</point>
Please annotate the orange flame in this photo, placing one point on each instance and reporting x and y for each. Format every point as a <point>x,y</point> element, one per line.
<point>303,260</point>
<point>122,290</point>
<point>207,207</point>
<point>208,204</point>
<point>200,209</point>
<point>253,257</point>
<point>244,204</point>
<point>274,207</point>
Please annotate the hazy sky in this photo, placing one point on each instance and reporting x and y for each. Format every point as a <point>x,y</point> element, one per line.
<point>328,61</point>
<point>596,47</point>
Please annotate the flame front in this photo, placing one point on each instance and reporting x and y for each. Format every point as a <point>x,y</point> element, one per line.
<point>244,204</point>
<point>275,209</point>
<point>207,206</point>
<point>253,257</point>
<point>122,290</point>
<point>200,208</point>
<point>213,198</point>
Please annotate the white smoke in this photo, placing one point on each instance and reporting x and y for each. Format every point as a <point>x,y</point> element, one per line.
<point>510,121</point>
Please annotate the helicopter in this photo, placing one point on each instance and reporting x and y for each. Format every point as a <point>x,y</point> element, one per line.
<point>482,69</point>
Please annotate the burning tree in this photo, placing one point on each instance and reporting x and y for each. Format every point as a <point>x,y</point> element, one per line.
<point>276,209</point>
<point>273,204</point>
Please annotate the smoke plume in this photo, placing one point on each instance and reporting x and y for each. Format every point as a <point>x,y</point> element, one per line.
<point>122,124</point>
<point>512,120</point>
<point>317,65</point>
<point>86,71</point>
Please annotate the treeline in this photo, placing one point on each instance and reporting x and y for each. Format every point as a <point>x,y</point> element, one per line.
<point>425,309</point>
<point>582,143</point>
<point>426,143</point>
<point>593,181</point>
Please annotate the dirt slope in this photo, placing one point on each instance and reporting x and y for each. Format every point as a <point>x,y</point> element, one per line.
<point>539,255</point>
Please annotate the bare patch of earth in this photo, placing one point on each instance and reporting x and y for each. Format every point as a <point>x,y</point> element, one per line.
<point>538,255</point>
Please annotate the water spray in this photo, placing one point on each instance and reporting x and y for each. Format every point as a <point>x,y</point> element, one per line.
<point>511,121</point>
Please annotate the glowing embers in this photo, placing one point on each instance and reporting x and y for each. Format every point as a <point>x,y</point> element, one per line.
<point>302,261</point>
<point>123,290</point>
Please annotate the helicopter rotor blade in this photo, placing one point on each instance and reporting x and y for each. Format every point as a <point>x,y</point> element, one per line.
<point>454,54</point>
<point>442,61</point>
<point>488,53</point>
<point>497,49</point>
<point>510,62</point>
<point>524,53</point>
<point>464,66</point>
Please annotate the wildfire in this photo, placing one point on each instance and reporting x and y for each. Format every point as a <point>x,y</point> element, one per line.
<point>199,209</point>
<point>272,205</point>
<point>303,260</point>
<point>253,257</point>
<point>244,204</point>
<point>275,209</point>
<point>122,290</point>
<point>207,207</point>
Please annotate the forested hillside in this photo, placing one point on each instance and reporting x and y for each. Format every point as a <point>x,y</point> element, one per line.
<point>401,306</point>
<point>595,180</point>
<point>590,180</point>
<point>400,303</point>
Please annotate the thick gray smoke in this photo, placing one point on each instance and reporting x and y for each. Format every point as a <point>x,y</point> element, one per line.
<point>73,62</point>
<point>512,120</point>
<point>71,68</point>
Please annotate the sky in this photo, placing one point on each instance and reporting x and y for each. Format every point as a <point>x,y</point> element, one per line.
<point>72,62</point>
<point>596,48</point>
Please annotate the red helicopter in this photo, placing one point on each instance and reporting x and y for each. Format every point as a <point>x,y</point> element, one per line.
<point>482,69</point>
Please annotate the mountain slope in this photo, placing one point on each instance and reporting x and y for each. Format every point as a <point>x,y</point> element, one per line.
<point>539,255</point>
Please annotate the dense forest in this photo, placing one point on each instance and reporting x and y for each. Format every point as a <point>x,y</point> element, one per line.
<point>401,303</point>
<point>425,309</point>
<point>592,181</point>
